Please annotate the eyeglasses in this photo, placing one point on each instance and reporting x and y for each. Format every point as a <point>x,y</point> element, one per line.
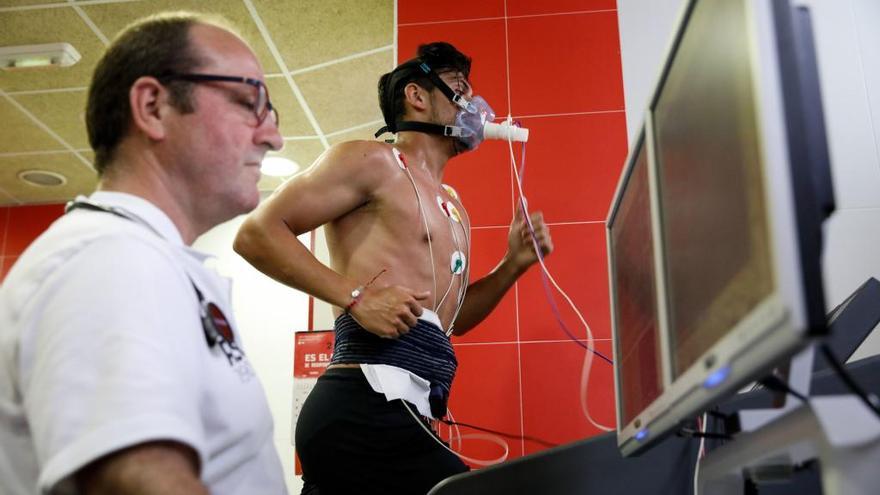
<point>262,107</point>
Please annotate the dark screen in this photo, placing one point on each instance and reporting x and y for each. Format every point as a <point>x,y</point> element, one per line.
<point>638,360</point>
<point>713,213</point>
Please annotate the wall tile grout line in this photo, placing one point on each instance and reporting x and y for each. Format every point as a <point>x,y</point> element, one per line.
<point>519,361</point>
<point>505,17</point>
<point>549,224</point>
<point>570,114</point>
<point>553,14</point>
<point>585,222</point>
<point>528,342</point>
<point>431,23</point>
<point>487,227</point>
<point>507,60</point>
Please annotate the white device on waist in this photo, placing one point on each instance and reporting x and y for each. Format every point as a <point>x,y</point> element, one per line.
<point>398,383</point>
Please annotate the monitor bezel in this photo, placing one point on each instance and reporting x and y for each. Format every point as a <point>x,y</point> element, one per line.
<point>783,323</point>
<point>629,167</point>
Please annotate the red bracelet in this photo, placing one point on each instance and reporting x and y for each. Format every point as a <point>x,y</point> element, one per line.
<point>358,292</point>
<point>355,297</point>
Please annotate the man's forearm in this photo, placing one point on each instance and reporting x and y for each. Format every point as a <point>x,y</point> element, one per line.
<point>156,468</point>
<point>484,294</point>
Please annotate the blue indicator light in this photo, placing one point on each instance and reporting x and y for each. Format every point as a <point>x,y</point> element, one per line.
<point>717,377</point>
<point>642,435</point>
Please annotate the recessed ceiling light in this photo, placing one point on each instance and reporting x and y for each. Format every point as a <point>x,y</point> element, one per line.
<point>277,166</point>
<point>27,56</point>
<point>42,178</point>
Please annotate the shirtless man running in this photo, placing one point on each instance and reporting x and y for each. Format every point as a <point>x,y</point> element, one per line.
<point>399,256</point>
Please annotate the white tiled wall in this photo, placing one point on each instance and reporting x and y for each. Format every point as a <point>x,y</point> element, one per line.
<point>847,34</point>
<point>645,34</point>
<point>866,14</point>
<point>849,127</point>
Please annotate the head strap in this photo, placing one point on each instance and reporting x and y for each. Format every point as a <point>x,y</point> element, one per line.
<point>428,128</point>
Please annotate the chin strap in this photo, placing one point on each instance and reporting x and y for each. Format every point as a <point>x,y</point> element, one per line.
<point>441,130</point>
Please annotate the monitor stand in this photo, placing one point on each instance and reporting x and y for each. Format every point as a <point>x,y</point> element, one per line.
<point>839,431</point>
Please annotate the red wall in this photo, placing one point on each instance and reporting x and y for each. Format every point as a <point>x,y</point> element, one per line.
<point>19,226</point>
<point>555,65</point>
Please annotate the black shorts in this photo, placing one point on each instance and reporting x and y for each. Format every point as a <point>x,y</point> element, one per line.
<point>351,440</point>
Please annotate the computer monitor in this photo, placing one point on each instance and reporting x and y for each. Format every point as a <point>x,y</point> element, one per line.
<point>633,281</point>
<point>735,239</point>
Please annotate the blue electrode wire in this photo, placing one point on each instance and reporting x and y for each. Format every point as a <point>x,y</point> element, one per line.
<point>544,281</point>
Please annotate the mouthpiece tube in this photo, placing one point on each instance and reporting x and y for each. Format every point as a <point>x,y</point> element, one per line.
<point>505,131</point>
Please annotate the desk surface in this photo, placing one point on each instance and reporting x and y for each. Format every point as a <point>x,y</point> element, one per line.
<point>595,466</point>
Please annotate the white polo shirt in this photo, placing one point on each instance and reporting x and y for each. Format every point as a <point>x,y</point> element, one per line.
<point>102,347</point>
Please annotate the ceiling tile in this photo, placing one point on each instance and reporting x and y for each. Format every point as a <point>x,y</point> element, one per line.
<point>343,95</point>
<point>32,27</point>
<point>308,32</point>
<point>113,17</point>
<point>293,118</point>
<point>20,134</point>
<point>80,179</point>
<point>63,112</point>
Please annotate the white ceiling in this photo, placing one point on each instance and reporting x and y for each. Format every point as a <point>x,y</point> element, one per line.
<point>323,59</point>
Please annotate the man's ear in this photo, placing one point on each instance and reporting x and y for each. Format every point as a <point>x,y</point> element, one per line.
<point>416,96</point>
<point>148,100</point>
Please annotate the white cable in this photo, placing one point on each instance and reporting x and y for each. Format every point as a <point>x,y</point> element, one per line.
<point>457,249</point>
<point>588,359</point>
<point>457,429</point>
<point>436,306</point>
<point>467,274</point>
<point>475,436</point>
<point>700,452</point>
<point>427,231</point>
<point>467,265</point>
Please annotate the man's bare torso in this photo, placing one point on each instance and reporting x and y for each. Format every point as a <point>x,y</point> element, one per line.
<point>389,233</point>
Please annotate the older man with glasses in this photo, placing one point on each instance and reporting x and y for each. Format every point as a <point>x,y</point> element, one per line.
<point>122,368</point>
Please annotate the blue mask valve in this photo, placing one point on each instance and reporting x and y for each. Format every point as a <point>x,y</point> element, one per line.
<point>717,377</point>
